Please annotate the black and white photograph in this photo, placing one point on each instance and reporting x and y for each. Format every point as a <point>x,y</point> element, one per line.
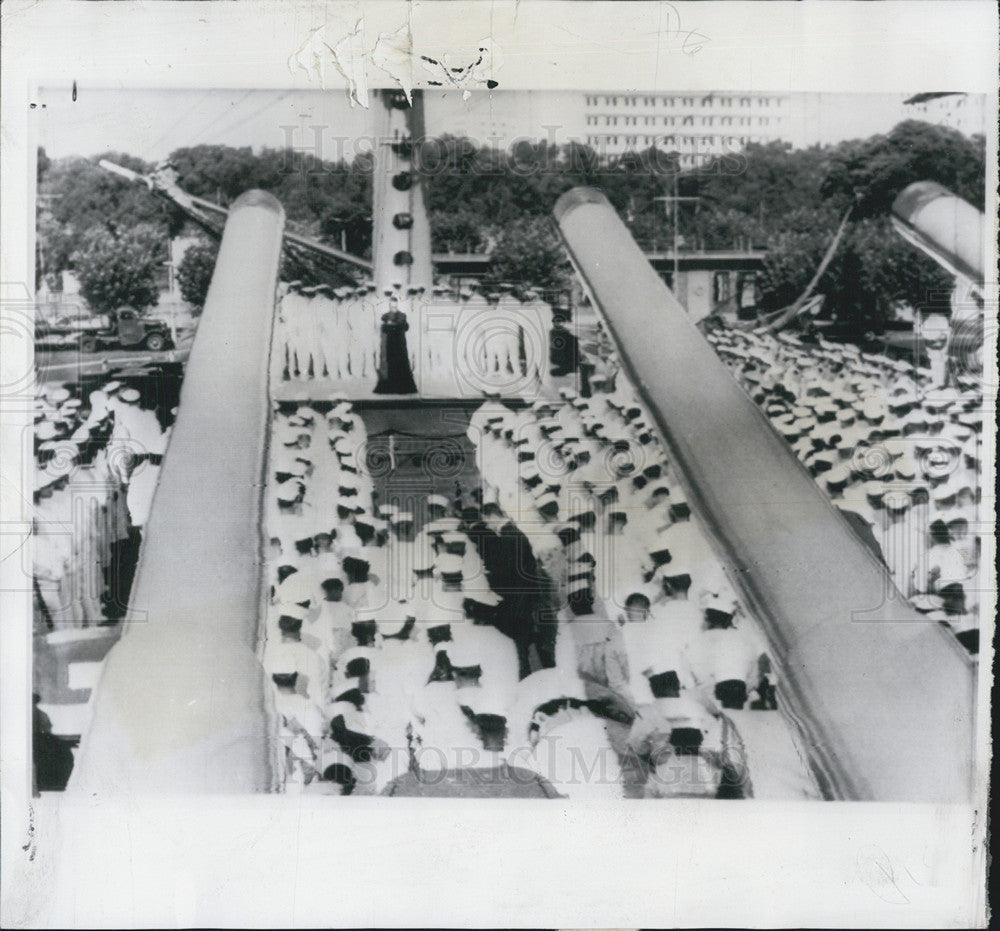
<point>431,442</point>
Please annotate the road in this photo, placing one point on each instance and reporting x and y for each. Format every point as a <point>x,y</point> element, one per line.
<point>71,365</point>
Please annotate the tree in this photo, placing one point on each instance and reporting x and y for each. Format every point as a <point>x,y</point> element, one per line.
<point>76,195</point>
<point>873,269</point>
<point>875,170</point>
<point>528,253</point>
<point>117,269</point>
<point>880,270</point>
<point>458,230</point>
<point>793,254</point>
<point>194,274</point>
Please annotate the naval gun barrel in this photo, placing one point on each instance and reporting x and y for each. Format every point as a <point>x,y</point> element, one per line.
<point>182,704</point>
<point>885,700</point>
<point>945,227</point>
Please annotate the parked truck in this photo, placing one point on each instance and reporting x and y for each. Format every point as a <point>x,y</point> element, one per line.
<point>125,329</point>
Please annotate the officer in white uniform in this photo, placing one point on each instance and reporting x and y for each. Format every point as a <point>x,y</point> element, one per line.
<point>474,323</point>
<point>727,660</point>
<point>53,550</point>
<point>148,441</point>
<point>324,365</point>
<point>509,344</point>
<point>291,313</point>
<point>693,750</point>
<point>359,322</point>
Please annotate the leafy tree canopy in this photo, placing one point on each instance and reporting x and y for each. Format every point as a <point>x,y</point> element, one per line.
<point>480,198</point>
<point>194,273</point>
<point>118,269</point>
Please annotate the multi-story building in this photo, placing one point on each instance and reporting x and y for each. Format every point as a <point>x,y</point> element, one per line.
<point>964,112</point>
<point>698,125</point>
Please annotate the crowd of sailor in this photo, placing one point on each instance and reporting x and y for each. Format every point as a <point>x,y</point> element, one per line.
<point>97,461</point>
<point>333,333</point>
<point>568,617</point>
<point>896,451</point>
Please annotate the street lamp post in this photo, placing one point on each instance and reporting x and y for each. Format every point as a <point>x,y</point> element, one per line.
<point>674,200</point>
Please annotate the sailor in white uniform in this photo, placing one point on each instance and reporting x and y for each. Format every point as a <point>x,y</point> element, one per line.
<point>148,442</point>
<point>693,750</point>
<point>509,342</point>
<point>359,321</point>
<point>727,659</point>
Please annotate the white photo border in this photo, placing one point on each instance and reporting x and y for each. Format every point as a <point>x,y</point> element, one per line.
<point>279,861</point>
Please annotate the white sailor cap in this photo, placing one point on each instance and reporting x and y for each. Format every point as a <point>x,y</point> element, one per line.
<point>528,470</point>
<point>723,600</point>
<point>129,395</point>
<point>288,434</point>
<point>548,502</point>
<point>448,564</point>
<point>291,609</point>
<point>464,652</point>
<point>438,501</point>
<point>296,467</point>
<point>838,475</point>
<point>943,492</point>
<point>424,559</point>
<point>873,408</point>
<point>353,718</point>
<point>875,490</point>
<point>896,500</point>
<point>44,479</point>
<point>483,700</point>
<point>289,490</point>
<point>401,517</point>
